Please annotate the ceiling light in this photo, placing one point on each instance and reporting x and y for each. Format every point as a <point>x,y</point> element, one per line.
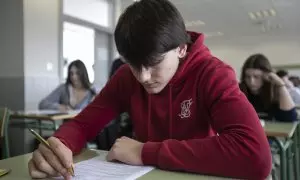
<point>213,34</point>
<point>272,12</point>
<point>194,23</point>
<point>265,13</point>
<point>258,14</point>
<point>252,16</point>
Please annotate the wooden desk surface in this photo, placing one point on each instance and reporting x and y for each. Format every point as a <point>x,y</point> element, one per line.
<point>44,115</point>
<point>18,165</point>
<point>280,129</point>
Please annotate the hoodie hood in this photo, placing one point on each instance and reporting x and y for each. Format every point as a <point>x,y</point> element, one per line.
<point>196,53</point>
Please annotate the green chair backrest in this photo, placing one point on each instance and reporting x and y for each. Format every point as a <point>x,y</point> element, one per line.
<point>4,121</point>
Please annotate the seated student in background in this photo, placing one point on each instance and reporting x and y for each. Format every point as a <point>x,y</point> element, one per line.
<point>123,121</point>
<point>115,66</point>
<point>75,94</point>
<point>295,80</point>
<point>265,90</point>
<point>186,107</point>
<point>294,92</point>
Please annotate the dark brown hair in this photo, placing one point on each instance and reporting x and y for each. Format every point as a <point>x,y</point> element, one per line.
<point>282,73</point>
<point>259,61</point>
<point>295,80</point>
<point>148,29</point>
<point>83,75</point>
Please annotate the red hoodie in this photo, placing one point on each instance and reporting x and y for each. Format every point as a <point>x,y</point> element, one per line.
<point>200,122</point>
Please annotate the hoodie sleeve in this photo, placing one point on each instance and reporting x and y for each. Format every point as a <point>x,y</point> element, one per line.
<point>240,149</point>
<point>92,119</point>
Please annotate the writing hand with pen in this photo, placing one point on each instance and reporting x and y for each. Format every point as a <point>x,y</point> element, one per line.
<point>51,160</point>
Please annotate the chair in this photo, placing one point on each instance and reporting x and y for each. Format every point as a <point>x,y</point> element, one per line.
<point>4,142</point>
<point>121,126</point>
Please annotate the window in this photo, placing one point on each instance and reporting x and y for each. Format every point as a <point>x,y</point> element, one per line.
<point>94,11</point>
<point>78,43</point>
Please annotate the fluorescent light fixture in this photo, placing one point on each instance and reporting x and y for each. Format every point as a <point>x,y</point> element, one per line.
<point>262,14</point>
<point>252,16</point>
<point>265,13</point>
<point>194,23</point>
<point>213,34</point>
<point>258,14</point>
<point>272,12</point>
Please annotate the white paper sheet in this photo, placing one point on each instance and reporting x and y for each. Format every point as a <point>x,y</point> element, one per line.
<point>97,169</point>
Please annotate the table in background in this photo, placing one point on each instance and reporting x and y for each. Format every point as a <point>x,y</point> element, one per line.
<point>286,136</point>
<point>18,165</point>
<point>38,117</point>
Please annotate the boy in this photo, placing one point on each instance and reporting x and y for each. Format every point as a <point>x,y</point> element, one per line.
<point>186,107</point>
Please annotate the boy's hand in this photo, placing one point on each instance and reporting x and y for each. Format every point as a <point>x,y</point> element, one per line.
<point>127,151</point>
<point>50,163</point>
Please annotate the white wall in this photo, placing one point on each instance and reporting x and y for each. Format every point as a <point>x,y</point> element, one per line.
<point>42,52</point>
<point>11,39</point>
<point>41,36</point>
<point>279,52</point>
<point>95,11</point>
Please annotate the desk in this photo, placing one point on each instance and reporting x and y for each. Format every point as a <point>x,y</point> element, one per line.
<point>286,137</point>
<point>18,165</point>
<point>280,129</point>
<point>45,115</point>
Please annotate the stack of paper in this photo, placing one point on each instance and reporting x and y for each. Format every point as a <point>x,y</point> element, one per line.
<point>97,169</point>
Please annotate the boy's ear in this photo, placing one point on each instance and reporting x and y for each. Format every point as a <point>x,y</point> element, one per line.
<point>182,51</point>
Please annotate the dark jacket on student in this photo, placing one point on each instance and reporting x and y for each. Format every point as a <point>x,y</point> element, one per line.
<point>273,112</point>
<point>200,122</point>
<point>115,66</point>
<point>63,95</point>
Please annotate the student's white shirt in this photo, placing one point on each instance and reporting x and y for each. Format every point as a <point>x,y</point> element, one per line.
<point>295,94</point>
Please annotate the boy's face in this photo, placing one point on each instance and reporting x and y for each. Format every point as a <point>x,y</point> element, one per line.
<point>156,77</point>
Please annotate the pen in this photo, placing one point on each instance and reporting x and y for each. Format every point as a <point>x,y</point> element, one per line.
<point>43,141</point>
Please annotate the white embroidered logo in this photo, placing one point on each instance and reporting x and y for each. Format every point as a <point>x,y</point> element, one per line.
<point>185,108</point>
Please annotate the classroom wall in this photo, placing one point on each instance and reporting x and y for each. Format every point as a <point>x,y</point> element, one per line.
<point>283,51</point>
<point>29,53</point>
<point>11,54</point>
<point>101,65</point>
<point>11,58</point>
<point>42,29</point>
<point>42,53</point>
